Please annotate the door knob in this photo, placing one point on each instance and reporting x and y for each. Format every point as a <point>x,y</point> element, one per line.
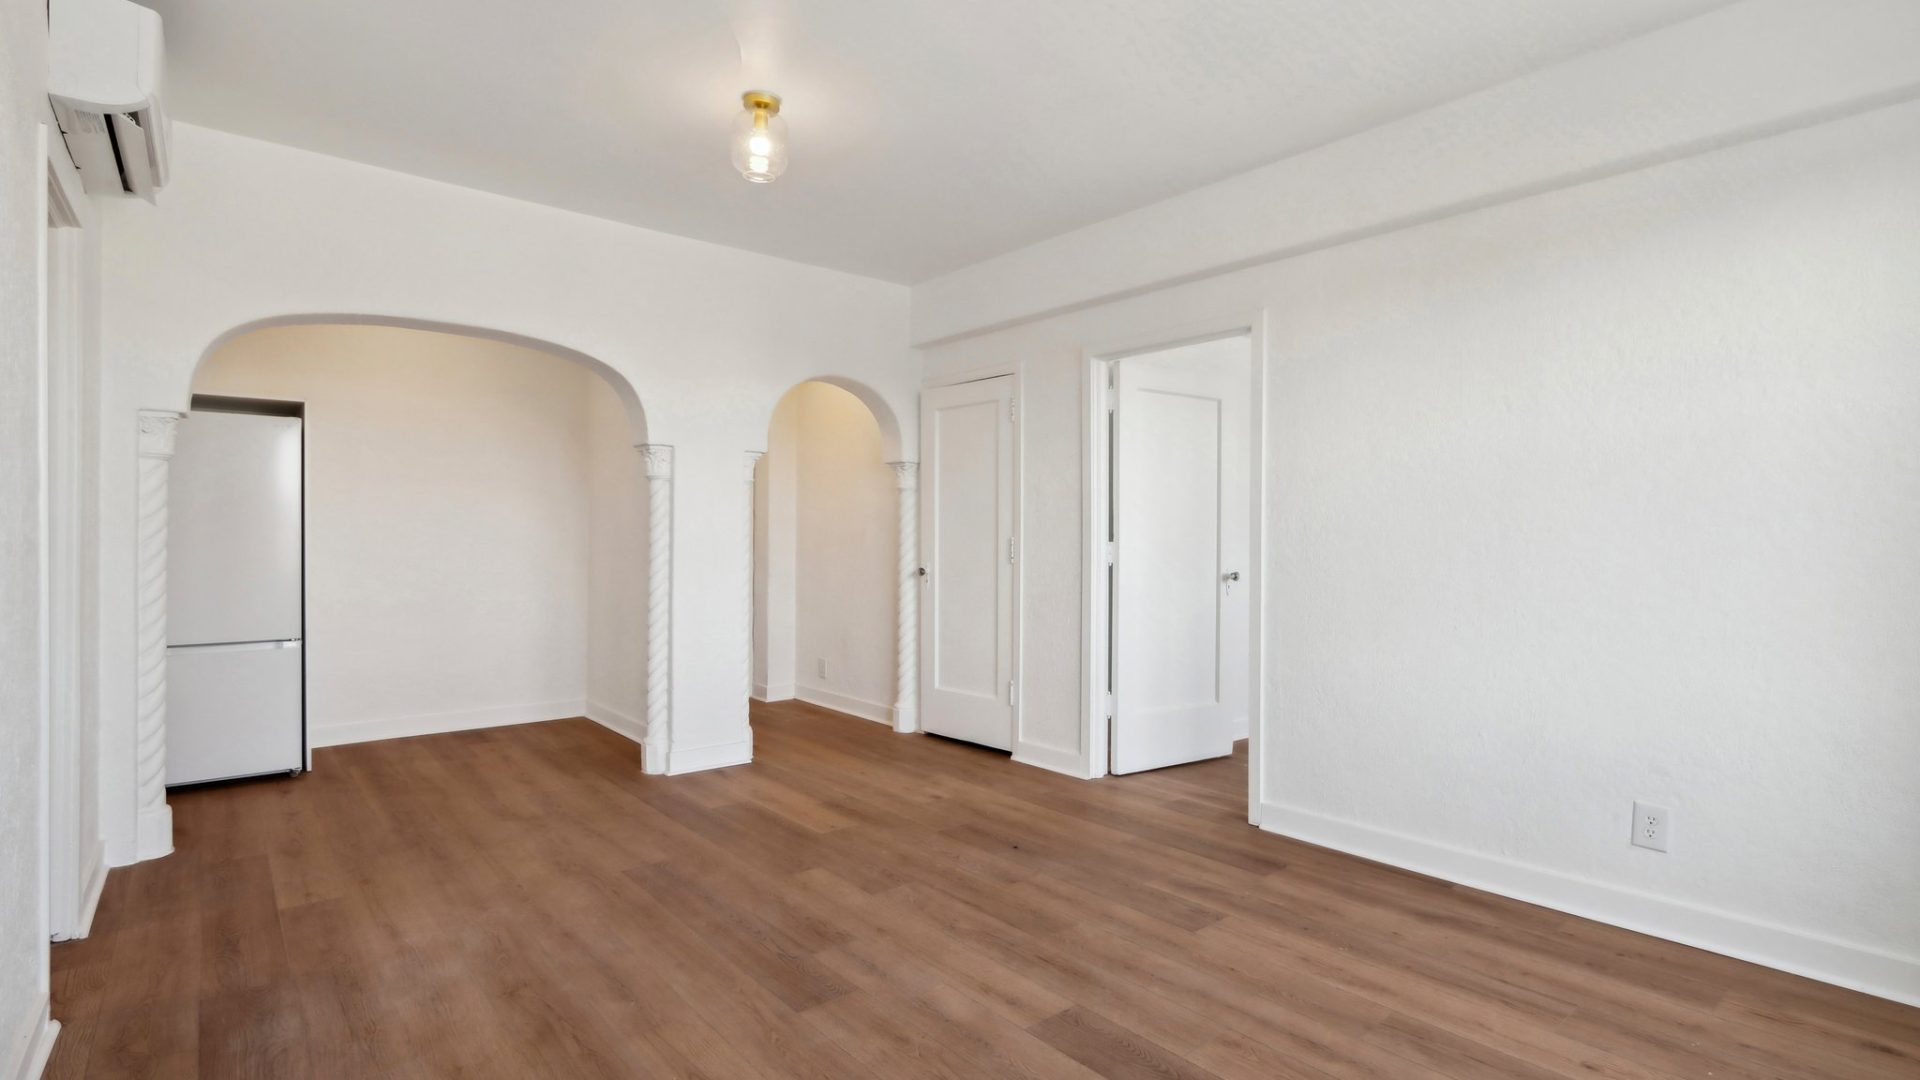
<point>1231,575</point>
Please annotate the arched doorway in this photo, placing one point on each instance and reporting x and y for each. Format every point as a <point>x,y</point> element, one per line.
<point>543,396</point>
<point>836,570</point>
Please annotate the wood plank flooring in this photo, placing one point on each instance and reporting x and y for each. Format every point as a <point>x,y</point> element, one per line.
<point>521,902</point>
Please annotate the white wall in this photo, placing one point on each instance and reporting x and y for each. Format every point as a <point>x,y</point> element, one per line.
<point>848,537</point>
<point>448,517</point>
<point>824,583</point>
<point>616,566</point>
<point>1602,495</point>
<point>776,540</point>
<point>705,337</point>
<point>23,980</point>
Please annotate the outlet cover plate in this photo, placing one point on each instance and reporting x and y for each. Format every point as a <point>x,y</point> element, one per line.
<point>1650,826</point>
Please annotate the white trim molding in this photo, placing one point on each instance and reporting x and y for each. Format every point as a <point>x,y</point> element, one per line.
<point>154,835</point>
<point>906,633</point>
<point>659,463</point>
<point>616,721</point>
<point>1856,967</point>
<point>406,727</point>
<point>844,703</point>
<point>774,692</point>
<point>689,759</point>
<point>93,883</point>
<point>37,1047</point>
<point>90,895</point>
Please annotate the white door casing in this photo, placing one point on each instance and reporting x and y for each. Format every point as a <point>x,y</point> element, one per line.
<point>1182,584</point>
<point>75,859</point>
<point>967,532</point>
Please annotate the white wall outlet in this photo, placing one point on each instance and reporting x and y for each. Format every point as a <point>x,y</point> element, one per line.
<point>1650,826</point>
<point>823,667</point>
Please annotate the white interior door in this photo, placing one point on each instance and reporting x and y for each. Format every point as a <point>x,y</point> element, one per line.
<point>1180,603</point>
<point>966,531</point>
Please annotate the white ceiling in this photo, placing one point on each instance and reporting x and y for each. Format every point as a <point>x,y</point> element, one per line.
<point>926,134</point>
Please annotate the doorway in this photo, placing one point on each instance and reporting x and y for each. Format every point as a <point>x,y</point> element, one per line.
<point>826,569</point>
<point>1174,581</point>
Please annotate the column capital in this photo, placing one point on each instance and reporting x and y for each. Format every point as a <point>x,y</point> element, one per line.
<point>157,430</point>
<point>906,474</point>
<point>753,459</point>
<point>659,459</point>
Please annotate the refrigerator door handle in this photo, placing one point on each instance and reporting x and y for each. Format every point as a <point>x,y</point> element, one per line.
<point>238,646</point>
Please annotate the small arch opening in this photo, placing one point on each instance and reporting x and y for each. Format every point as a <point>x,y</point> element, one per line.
<point>825,542</point>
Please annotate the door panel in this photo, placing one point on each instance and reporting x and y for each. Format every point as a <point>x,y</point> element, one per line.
<point>1179,498</point>
<point>966,511</point>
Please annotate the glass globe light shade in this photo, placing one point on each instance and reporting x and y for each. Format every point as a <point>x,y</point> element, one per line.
<point>760,140</point>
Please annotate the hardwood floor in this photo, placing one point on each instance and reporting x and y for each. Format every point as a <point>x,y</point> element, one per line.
<point>521,902</point>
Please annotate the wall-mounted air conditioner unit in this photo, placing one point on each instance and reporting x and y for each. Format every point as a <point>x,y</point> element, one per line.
<point>103,77</point>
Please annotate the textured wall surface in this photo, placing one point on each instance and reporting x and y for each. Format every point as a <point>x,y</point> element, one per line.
<point>705,338</point>
<point>448,507</point>
<point>1603,495</point>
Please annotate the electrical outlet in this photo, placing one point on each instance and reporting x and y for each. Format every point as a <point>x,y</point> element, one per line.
<point>1650,826</point>
<point>823,667</point>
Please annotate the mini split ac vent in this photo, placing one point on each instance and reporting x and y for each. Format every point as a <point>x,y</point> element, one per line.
<point>104,64</point>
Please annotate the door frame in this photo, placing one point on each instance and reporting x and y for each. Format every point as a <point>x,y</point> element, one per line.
<point>1096,618</point>
<point>1020,750</point>
<point>75,866</point>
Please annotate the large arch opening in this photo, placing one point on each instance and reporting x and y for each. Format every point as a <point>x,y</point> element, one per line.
<point>834,567</point>
<point>474,534</point>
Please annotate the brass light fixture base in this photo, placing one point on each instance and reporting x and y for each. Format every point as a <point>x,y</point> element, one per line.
<point>760,99</point>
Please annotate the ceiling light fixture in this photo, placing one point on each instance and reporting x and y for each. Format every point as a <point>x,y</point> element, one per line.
<point>760,138</point>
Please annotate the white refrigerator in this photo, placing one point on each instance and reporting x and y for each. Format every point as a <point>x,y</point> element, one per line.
<point>236,699</point>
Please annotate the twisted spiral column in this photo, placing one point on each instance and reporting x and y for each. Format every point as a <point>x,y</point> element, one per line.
<point>906,627</point>
<point>154,821</point>
<point>654,746</point>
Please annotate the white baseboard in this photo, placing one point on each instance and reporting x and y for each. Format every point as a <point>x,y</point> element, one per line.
<point>401,727</point>
<point>689,759</point>
<point>852,706</point>
<point>775,692</point>
<point>35,1047</point>
<point>616,721</point>
<point>90,895</point>
<point>1051,758</point>
<point>1856,967</point>
<point>153,833</point>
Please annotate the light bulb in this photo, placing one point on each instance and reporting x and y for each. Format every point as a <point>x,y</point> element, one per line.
<point>760,138</point>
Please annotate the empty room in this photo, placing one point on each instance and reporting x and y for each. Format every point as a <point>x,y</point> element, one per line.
<point>1301,539</point>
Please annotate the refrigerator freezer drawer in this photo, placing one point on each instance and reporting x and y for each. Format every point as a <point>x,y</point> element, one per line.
<point>233,710</point>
